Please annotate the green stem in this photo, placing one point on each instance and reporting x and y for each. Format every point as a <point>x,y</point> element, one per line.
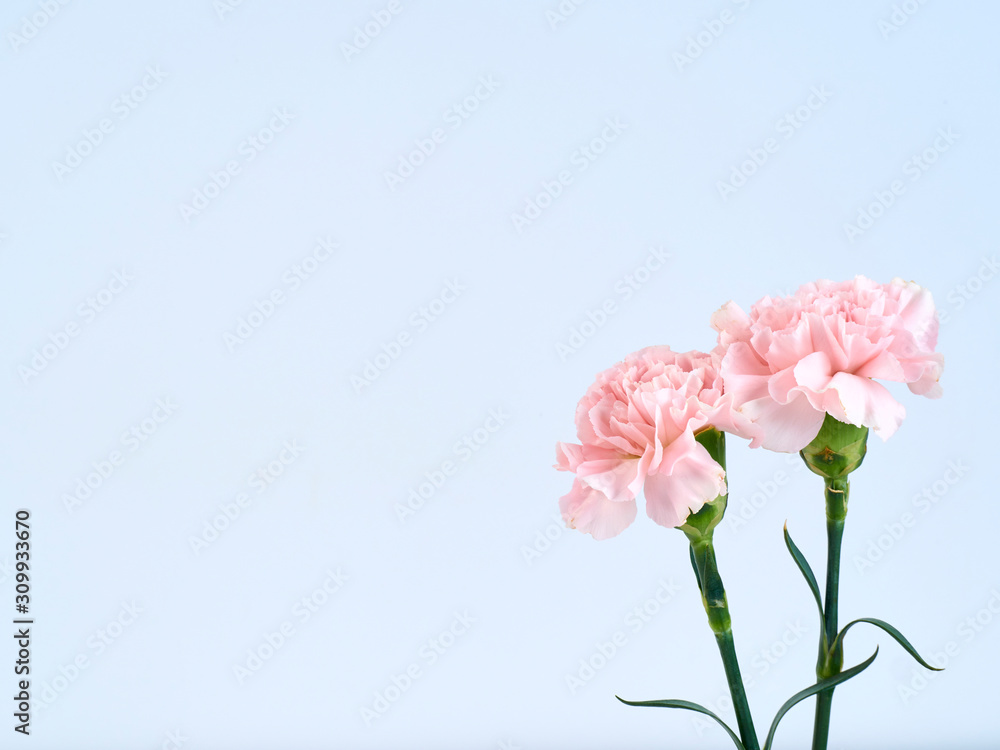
<point>699,528</point>
<point>836,513</point>
<point>830,662</point>
<point>821,727</point>
<point>713,596</point>
<point>743,718</point>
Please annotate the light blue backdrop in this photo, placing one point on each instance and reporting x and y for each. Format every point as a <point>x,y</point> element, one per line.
<point>271,268</point>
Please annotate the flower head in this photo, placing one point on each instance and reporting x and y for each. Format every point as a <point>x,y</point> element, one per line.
<point>795,359</point>
<point>636,426</point>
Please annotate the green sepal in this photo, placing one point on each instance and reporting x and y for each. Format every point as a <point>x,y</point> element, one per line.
<point>688,705</point>
<point>837,450</point>
<point>817,688</point>
<point>900,639</point>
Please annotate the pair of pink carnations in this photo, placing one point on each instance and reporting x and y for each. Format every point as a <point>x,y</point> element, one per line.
<point>773,377</point>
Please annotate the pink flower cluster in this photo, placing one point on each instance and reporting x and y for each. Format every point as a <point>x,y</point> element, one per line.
<point>773,377</point>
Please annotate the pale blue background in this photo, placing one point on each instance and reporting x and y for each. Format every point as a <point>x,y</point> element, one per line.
<point>503,683</point>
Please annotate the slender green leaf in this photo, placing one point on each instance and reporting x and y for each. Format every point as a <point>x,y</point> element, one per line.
<point>690,707</point>
<point>807,572</point>
<point>817,688</point>
<point>891,631</point>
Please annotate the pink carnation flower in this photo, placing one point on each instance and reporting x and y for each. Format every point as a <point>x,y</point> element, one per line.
<point>636,425</point>
<point>795,359</point>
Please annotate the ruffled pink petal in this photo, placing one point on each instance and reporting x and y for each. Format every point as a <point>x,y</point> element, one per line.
<point>689,416</point>
<point>926,384</point>
<point>676,451</point>
<point>781,384</point>
<point>786,428</point>
<point>883,366</point>
<point>694,479</point>
<point>814,372</point>
<point>723,416</point>
<point>642,469</point>
<point>788,347</point>
<point>568,456</point>
<point>732,322</point>
<point>636,435</point>
<point>826,335</point>
<point>918,313</point>
<point>865,402</point>
<point>745,375</point>
<point>618,478</point>
<point>584,432</point>
<point>591,512</point>
<point>659,404</point>
<point>603,424</point>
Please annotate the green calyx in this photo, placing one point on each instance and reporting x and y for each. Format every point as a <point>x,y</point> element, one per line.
<point>713,593</point>
<point>837,450</point>
<point>830,663</point>
<point>699,526</point>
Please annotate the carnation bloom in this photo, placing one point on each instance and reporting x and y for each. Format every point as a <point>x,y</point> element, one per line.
<point>793,360</point>
<point>636,426</point>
